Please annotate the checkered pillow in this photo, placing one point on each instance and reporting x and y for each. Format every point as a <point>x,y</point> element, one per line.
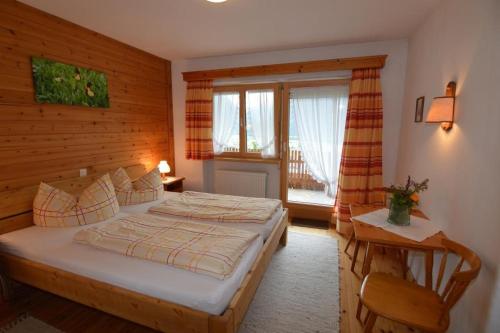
<point>53,207</point>
<point>121,180</point>
<point>145,189</point>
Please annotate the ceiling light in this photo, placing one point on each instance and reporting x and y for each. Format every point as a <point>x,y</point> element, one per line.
<point>216,1</point>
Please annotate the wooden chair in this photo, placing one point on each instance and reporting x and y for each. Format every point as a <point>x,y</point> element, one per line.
<point>354,256</point>
<point>413,305</point>
<point>357,244</point>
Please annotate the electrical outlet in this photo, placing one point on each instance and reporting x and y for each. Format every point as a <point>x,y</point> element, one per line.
<point>83,172</point>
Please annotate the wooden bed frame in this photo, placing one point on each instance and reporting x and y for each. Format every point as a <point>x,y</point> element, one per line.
<point>148,311</point>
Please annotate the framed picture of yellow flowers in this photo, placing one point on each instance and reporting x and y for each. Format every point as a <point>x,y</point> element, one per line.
<point>58,83</point>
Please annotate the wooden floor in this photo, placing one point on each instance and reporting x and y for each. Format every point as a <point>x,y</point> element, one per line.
<point>72,317</point>
<point>350,284</point>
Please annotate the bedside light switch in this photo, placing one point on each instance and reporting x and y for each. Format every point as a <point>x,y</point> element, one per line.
<point>83,172</point>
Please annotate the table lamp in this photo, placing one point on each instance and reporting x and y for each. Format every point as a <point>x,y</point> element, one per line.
<point>164,168</point>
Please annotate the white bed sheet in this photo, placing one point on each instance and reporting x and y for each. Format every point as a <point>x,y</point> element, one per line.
<point>263,229</point>
<point>55,247</point>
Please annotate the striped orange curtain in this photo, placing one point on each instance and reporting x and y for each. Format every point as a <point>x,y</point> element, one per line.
<point>199,97</point>
<point>360,178</point>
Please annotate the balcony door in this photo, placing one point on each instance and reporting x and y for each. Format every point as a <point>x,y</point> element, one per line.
<point>314,115</point>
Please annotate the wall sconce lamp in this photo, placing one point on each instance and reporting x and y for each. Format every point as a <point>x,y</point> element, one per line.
<point>164,168</point>
<point>443,108</point>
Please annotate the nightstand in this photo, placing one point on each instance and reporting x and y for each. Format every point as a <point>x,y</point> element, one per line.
<point>173,184</point>
<point>4,288</point>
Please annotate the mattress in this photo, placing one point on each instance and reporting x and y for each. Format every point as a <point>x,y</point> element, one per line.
<point>55,247</point>
<point>263,229</point>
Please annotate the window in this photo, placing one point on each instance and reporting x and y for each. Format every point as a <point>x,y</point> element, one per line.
<point>226,127</point>
<point>246,121</point>
<point>317,117</point>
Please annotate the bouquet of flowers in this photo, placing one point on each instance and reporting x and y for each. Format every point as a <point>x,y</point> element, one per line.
<point>404,198</point>
<point>408,195</point>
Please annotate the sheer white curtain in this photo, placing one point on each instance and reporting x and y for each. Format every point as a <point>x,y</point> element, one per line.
<point>260,121</point>
<point>226,120</point>
<point>320,115</point>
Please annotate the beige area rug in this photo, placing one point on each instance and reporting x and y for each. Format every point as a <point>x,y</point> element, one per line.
<point>28,324</point>
<point>300,290</point>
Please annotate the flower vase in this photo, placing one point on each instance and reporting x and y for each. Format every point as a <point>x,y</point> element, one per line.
<point>399,214</point>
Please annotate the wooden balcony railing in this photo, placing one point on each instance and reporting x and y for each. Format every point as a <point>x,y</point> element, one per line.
<point>298,177</point>
<point>231,150</point>
<point>236,150</point>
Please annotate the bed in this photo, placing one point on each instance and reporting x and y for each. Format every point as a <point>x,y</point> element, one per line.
<point>264,230</point>
<point>55,247</point>
<point>211,306</point>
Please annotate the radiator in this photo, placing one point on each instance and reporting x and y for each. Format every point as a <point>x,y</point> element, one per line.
<point>242,183</point>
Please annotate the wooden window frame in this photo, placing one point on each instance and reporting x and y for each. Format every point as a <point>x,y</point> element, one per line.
<point>243,154</point>
<point>339,64</point>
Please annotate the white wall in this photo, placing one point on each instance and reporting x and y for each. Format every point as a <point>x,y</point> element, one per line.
<point>393,75</point>
<point>460,41</point>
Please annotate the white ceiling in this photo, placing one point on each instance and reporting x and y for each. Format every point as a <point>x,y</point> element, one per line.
<point>176,29</point>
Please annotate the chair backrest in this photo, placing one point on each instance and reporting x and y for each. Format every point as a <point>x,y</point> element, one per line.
<point>459,279</point>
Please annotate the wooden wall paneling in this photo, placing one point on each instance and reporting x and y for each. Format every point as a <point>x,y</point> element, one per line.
<point>20,201</point>
<point>75,139</point>
<point>75,126</point>
<point>42,112</point>
<point>48,166</point>
<point>12,54</point>
<point>42,37</point>
<point>52,142</point>
<point>170,115</point>
<point>35,154</point>
<point>8,185</point>
<point>16,222</point>
<point>28,14</point>
<point>28,154</point>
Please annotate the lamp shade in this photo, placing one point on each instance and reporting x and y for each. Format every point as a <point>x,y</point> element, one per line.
<point>164,167</point>
<point>441,110</point>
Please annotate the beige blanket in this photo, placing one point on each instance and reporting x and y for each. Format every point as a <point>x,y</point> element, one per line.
<point>201,248</point>
<point>218,208</point>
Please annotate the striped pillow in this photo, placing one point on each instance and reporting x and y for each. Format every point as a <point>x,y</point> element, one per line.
<point>145,189</point>
<point>53,207</point>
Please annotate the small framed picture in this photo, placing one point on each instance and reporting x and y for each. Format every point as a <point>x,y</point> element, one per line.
<point>419,109</point>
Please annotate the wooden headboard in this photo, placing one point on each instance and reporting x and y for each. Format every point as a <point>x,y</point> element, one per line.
<point>16,206</point>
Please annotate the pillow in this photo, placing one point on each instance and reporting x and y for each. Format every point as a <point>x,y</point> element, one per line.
<point>145,189</point>
<point>53,207</point>
<point>121,180</point>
